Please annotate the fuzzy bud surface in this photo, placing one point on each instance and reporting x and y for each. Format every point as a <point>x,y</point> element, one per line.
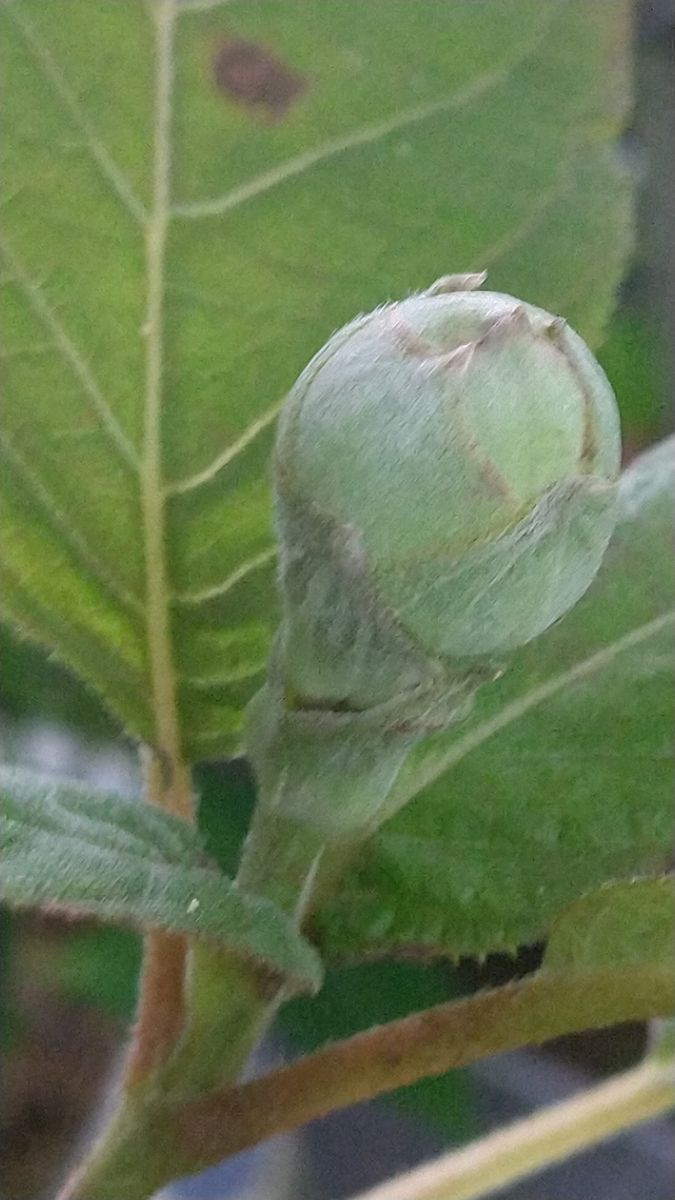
<point>445,481</point>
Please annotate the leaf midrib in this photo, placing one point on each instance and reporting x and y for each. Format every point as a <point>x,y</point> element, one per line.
<point>158,630</point>
<point>106,164</point>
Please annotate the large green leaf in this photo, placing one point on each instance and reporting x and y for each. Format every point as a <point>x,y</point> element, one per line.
<point>195,195</point>
<point>561,780</point>
<point>98,855</point>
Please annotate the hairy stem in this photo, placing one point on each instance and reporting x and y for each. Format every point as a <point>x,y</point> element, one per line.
<point>133,1159</point>
<point>160,1014</point>
<point>161,1003</point>
<point>148,1146</point>
<point>429,1043</point>
<point>231,1003</point>
<point>121,1158</point>
<point>538,1141</point>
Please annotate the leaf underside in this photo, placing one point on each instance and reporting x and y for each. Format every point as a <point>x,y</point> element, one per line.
<point>142,375</point>
<point>561,781</point>
<point>96,855</point>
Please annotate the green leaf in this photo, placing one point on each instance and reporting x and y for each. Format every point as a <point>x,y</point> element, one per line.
<point>195,196</point>
<point>120,860</point>
<point>622,924</point>
<point>560,781</point>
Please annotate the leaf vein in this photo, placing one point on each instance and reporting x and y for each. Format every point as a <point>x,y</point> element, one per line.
<point>197,6</point>
<point>202,683</point>
<point>106,164</point>
<point>529,223</point>
<point>538,695</point>
<point>70,352</point>
<point>226,455</point>
<point>212,592</point>
<point>158,629</point>
<point>74,539</point>
<point>366,135</point>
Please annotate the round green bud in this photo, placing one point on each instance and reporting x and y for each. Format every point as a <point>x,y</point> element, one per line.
<point>445,479</point>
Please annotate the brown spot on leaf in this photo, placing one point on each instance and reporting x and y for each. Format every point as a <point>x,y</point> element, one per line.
<point>255,78</point>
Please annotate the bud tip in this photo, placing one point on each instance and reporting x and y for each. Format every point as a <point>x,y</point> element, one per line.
<point>457,283</point>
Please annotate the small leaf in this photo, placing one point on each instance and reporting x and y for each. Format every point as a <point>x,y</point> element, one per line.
<point>621,924</point>
<point>110,821</point>
<point>194,197</point>
<point>561,781</point>
<point>103,856</point>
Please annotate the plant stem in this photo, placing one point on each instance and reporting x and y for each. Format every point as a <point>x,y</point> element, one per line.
<point>280,861</point>
<point>160,1011</point>
<point>161,1004</point>
<point>538,1141</point>
<point>123,1157</point>
<point>231,1003</point>
<point>151,1143</point>
<point>132,1160</point>
<point>429,1043</point>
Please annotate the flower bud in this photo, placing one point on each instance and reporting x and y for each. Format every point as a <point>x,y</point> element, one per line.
<point>445,482</point>
<point>445,477</point>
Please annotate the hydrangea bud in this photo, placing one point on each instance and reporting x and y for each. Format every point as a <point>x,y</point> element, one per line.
<point>445,478</point>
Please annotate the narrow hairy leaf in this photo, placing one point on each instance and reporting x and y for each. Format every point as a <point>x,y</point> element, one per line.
<point>89,854</point>
<point>115,822</point>
<point>194,197</point>
<point>560,781</point>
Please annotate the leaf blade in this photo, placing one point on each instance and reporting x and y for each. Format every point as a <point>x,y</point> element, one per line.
<point>333,201</point>
<point>98,855</point>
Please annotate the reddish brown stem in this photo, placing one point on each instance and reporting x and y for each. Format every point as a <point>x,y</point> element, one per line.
<point>429,1043</point>
<point>150,1146</point>
<point>161,1001</point>
<point>160,1005</point>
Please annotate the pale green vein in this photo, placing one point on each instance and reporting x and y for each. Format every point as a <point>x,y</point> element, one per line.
<point>71,354</point>
<point>79,646</point>
<point>73,538</point>
<point>226,455</point>
<point>195,598</point>
<point>541,209</point>
<point>106,164</point>
<point>21,353</point>
<point>513,711</point>
<point>367,135</point>
<point>207,743</point>
<point>529,224</point>
<point>207,683</point>
<point>152,490</point>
